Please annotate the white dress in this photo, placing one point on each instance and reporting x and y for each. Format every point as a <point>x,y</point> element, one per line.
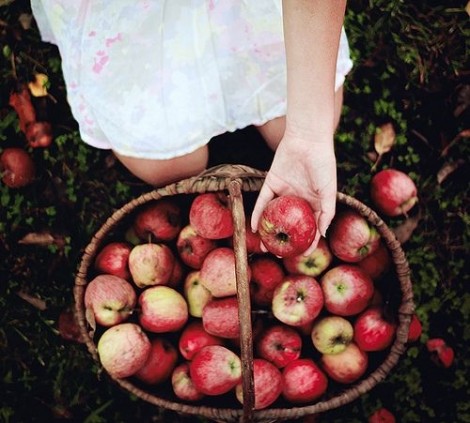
<point>158,79</point>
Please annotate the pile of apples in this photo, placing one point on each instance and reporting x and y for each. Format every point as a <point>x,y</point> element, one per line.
<point>163,301</point>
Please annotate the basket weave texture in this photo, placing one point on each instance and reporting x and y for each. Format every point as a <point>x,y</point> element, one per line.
<point>237,179</point>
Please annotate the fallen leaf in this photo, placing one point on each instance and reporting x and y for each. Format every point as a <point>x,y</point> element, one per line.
<point>38,87</point>
<point>68,326</point>
<point>404,231</point>
<point>467,8</point>
<point>384,138</point>
<point>25,20</point>
<point>447,169</point>
<point>38,238</point>
<point>34,301</point>
<point>462,134</point>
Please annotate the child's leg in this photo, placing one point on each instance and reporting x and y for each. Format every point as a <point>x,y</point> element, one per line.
<point>273,131</point>
<point>163,172</point>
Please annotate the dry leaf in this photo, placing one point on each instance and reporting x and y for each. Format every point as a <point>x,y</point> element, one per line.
<point>38,87</point>
<point>38,238</point>
<point>384,138</point>
<point>462,134</point>
<point>372,156</point>
<point>467,8</point>
<point>447,169</point>
<point>404,231</point>
<point>25,20</point>
<point>34,301</point>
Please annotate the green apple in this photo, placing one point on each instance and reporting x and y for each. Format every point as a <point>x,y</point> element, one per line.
<point>332,334</point>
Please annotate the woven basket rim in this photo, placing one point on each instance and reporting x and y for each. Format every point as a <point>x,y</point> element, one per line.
<point>248,180</point>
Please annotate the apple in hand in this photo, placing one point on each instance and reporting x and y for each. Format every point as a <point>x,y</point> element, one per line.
<point>441,353</point>
<point>123,349</point>
<point>393,192</point>
<point>381,415</point>
<point>215,370</point>
<point>220,317</point>
<point>303,381</point>
<point>312,264</point>
<point>287,225</point>
<point>347,289</point>
<point>110,298</point>
<point>210,215</point>
<point>297,300</point>
<point>351,237</point>
<point>192,247</point>
<point>416,328</point>
<point>279,344</point>
<point>196,294</point>
<point>159,220</point>
<point>267,383</point>
<point>151,264</point>
<point>113,259</point>
<point>347,366</point>
<point>162,309</point>
<point>160,362</point>
<point>266,274</point>
<point>372,331</point>
<point>332,334</point>
<point>378,263</point>
<point>182,384</point>
<point>194,337</point>
<point>17,168</point>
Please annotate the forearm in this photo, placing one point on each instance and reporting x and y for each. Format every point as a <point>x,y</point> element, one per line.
<point>312,31</point>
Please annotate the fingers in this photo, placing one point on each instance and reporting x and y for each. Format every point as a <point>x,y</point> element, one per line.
<point>265,195</point>
<point>326,216</point>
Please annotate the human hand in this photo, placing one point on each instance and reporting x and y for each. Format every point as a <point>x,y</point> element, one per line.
<point>305,169</point>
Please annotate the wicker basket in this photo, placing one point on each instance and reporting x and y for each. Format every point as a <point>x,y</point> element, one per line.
<point>237,180</point>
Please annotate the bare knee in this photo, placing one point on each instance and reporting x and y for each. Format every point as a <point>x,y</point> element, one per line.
<point>163,172</point>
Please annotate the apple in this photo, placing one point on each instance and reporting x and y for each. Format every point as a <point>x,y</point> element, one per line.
<point>160,362</point>
<point>192,247</point>
<point>279,344</point>
<point>266,274</point>
<point>210,215</point>
<point>393,192</point>
<point>160,220</point>
<point>416,328</point>
<point>303,381</point>
<point>113,259</point>
<point>381,415</point>
<point>372,331</point>
<point>194,337</point>
<point>312,264</point>
<point>39,134</point>
<point>177,275</point>
<point>346,366</point>
<point>253,240</point>
<point>220,317</point>
<point>378,263</point>
<point>332,334</point>
<point>441,353</point>
<point>267,383</point>
<point>162,309</point>
<point>287,226</point>
<point>196,294</point>
<point>347,289</point>
<point>215,370</point>
<point>351,237</point>
<point>110,298</point>
<point>182,384</point>
<point>151,264</point>
<point>123,349</point>
<point>17,168</point>
<point>297,300</point>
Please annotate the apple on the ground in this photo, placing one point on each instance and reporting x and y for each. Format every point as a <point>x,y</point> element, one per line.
<point>192,247</point>
<point>332,334</point>
<point>280,344</point>
<point>194,337</point>
<point>182,384</point>
<point>196,294</point>
<point>441,353</point>
<point>381,415</point>
<point>17,167</point>
<point>372,331</point>
<point>266,274</point>
<point>220,317</point>
<point>347,366</point>
<point>113,259</point>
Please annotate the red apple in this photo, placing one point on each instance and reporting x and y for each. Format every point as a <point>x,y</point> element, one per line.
<point>113,259</point>
<point>352,237</point>
<point>381,415</point>
<point>266,274</point>
<point>123,349</point>
<point>16,167</point>
<point>210,215</point>
<point>194,337</point>
<point>160,362</point>
<point>347,366</point>
<point>332,334</point>
<point>303,381</point>
<point>177,275</point>
<point>220,317</point>
<point>151,264</point>
<point>279,344</point>
<point>393,192</point>
<point>441,353</point>
<point>253,240</point>
<point>372,331</point>
<point>267,381</point>
<point>215,370</point>
<point>287,226</point>
<point>182,384</point>
<point>192,247</point>
<point>196,294</point>
<point>110,298</point>
<point>378,263</point>
<point>297,300</point>
<point>162,309</point>
<point>347,289</point>
<point>158,221</point>
<point>415,330</point>
<point>311,265</point>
